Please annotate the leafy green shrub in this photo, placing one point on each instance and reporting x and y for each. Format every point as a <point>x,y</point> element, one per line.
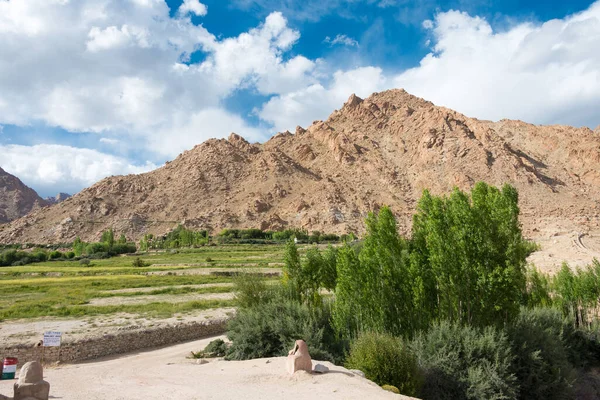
<point>85,262</point>
<point>251,290</point>
<point>55,255</point>
<point>542,362</point>
<point>209,260</point>
<point>216,348</point>
<point>583,344</point>
<point>70,255</point>
<point>386,360</point>
<point>462,362</point>
<point>139,263</point>
<point>270,330</point>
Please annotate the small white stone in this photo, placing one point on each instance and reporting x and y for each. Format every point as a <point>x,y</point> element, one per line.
<point>201,361</point>
<point>358,372</point>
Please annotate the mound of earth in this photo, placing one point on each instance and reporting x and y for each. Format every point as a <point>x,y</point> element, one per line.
<point>382,150</point>
<point>16,199</point>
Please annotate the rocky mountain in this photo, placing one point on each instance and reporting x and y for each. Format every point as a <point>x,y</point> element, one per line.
<point>382,150</point>
<point>59,198</point>
<point>16,199</point>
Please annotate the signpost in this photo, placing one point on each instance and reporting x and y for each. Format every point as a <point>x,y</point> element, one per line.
<point>52,339</point>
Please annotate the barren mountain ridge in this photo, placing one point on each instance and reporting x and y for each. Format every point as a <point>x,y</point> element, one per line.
<point>384,150</point>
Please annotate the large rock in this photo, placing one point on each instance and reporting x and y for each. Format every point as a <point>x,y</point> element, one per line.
<point>31,384</point>
<point>298,358</point>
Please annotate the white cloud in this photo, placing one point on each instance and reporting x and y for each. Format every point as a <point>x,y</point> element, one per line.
<point>314,102</point>
<point>113,37</point>
<point>194,7</point>
<point>115,67</point>
<point>109,141</point>
<point>541,73</point>
<point>46,167</point>
<point>343,40</point>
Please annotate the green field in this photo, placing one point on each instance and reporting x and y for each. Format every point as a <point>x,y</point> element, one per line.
<point>66,288</point>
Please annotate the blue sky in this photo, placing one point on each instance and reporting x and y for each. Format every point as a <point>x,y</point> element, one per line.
<point>121,86</point>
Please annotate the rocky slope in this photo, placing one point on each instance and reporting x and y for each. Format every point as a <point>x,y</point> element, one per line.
<point>16,199</point>
<point>59,198</point>
<point>382,150</point>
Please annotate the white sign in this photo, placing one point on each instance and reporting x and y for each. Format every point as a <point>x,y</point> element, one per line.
<point>52,339</point>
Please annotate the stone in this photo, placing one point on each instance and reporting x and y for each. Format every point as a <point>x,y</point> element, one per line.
<point>201,361</point>
<point>31,384</point>
<point>320,368</point>
<point>358,373</point>
<point>298,358</point>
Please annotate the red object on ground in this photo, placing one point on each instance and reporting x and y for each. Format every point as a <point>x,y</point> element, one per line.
<point>9,368</point>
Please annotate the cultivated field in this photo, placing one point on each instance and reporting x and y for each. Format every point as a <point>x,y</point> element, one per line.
<point>111,294</point>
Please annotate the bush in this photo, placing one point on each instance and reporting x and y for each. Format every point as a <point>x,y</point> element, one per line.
<point>386,360</point>
<point>139,263</point>
<point>55,255</point>
<point>251,290</point>
<point>85,262</point>
<point>270,330</point>
<point>216,348</point>
<point>462,362</point>
<point>542,362</point>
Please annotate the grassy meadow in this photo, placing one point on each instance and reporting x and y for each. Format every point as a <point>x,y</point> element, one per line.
<point>65,288</point>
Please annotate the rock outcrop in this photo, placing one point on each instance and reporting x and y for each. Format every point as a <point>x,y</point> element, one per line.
<point>31,384</point>
<point>298,358</point>
<point>59,198</point>
<point>16,199</point>
<point>382,150</point>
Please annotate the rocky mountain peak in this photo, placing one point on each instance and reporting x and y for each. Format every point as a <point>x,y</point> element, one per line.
<point>381,150</point>
<point>16,199</point>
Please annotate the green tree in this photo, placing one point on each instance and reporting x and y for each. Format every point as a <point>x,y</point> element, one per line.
<point>374,291</point>
<point>108,237</point>
<point>468,255</point>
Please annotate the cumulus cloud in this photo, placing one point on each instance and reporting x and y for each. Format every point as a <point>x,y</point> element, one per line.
<point>317,101</point>
<point>194,7</point>
<point>125,72</point>
<point>46,166</point>
<point>343,40</point>
<point>541,73</point>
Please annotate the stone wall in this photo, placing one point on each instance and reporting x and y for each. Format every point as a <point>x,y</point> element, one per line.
<point>119,343</point>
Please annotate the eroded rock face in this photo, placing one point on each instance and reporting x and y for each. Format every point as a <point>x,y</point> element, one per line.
<point>31,384</point>
<point>16,199</point>
<point>298,358</point>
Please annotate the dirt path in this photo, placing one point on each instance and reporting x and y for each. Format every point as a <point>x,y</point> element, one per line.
<point>563,242</point>
<point>167,374</point>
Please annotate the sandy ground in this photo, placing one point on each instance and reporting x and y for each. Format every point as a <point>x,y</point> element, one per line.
<point>31,331</point>
<point>167,374</point>
<point>565,243</point>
